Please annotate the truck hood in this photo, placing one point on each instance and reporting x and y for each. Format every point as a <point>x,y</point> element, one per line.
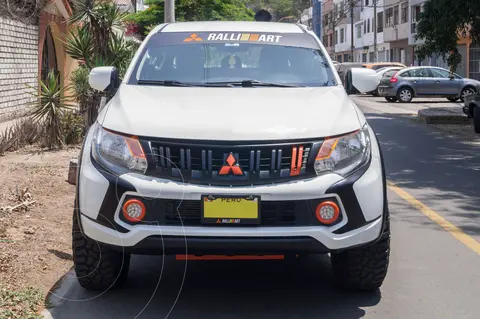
<point>231,113</point>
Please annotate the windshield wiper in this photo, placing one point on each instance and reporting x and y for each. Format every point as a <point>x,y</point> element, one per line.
<point>179,83</point>
<point>164,82</point>
<point>251,83</point>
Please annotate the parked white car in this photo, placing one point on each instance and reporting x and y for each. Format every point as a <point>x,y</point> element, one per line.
<point>269,159</point>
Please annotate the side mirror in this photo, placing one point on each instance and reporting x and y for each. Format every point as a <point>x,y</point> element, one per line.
<point>451,77</point>
<point>104,79</point>
<point>360,80</point>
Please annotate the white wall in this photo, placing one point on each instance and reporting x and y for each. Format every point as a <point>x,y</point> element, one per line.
<point>367,14</point>
<point>18,66</point>
<point>346,44</point>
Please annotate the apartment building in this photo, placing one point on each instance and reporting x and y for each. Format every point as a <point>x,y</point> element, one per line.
<point>365,33</point>
<point>396,31</point>
<point>328,28</point>
<point>342,22</point>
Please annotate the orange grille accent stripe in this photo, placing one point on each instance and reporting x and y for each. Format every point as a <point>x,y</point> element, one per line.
<point>296,162</point>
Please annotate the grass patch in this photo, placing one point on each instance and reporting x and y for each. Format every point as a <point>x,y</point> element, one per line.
<point>20,304</point>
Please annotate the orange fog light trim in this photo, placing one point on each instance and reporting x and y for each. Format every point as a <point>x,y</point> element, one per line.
<point>130,202</point>
<point>336,212</point>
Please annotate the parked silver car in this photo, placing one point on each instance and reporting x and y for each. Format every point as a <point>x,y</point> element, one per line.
<point>425,81</point>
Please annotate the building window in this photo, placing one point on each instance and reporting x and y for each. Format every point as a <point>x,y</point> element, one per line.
<point>49,57</point>
<point>364,57</point>
<point>380,22</point>
<point>330,40</point>
<point>342,35</point>
<point>404,13</point>
<point>371,56</point>
<point>339,59</point>
<point>366,2</point>
<point>389,18</point>
<point>368,26</point>
<point>336,36</point>
<point>415,17</point>
<point>345,57</point>
<point>358,28</point>
<point>364,26</point>
<point>395,15</point>
<point>474,62</point>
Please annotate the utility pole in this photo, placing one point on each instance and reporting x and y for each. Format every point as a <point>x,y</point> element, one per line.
<point>375,51</point>
<point>169,11</point>
<point>352,48</point>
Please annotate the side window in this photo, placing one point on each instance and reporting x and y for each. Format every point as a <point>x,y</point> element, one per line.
<point>423,73</point>
<point>416,73</point>
<point>438,73</point>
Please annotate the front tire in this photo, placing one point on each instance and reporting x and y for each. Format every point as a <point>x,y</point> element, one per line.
<point>465,92</point>
<point>476,119</point>
<point>452,99</point>
<point>96,266</point>
<point>363,268</point>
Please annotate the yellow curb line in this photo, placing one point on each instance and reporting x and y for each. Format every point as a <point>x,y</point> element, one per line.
<point>445,224</point>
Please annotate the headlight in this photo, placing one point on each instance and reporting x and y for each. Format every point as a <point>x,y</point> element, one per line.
<point>118,153</point>
<point>343,154</point>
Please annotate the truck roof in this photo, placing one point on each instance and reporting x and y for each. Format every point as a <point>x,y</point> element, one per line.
<point>230,26</point>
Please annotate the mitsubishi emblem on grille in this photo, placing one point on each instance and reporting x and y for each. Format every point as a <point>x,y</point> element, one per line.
<point>231,166</point>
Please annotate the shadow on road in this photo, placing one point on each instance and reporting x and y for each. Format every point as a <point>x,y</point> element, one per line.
<point>440,171</point>
<point>220,289</point>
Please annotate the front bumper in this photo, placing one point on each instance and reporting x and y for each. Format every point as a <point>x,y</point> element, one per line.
<point>361,198</point>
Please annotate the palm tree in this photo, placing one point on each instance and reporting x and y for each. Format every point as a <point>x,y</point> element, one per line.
<point>97,40</point>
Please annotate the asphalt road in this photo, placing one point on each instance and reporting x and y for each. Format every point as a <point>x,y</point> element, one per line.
<point>432,273</point>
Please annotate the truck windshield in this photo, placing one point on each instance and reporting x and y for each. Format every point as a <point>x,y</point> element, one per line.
<point>204,63</point>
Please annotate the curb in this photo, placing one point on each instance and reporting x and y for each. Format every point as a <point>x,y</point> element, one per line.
<point>442,116</point>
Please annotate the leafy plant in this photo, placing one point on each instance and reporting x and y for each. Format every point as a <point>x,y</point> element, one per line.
<point>48,108</point>
<point>192,10</point>
<point>71,126</point>
<point>440,31</point>
<point>23,132</point>
<point>96,40</point>
<point>20,303</point>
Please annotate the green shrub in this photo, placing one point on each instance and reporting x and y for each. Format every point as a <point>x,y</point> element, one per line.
<point>72,128</point>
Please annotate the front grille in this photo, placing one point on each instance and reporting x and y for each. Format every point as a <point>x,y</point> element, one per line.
<point>259,163</point>
<point>281,213</point>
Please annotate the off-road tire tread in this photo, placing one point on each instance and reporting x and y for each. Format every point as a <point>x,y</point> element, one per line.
<point>363,268</point>
<point>96,266</point>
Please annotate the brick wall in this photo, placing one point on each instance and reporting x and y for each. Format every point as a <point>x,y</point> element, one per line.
<point>18,66</point>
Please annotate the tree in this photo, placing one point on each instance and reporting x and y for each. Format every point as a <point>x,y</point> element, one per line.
<point>283,8</point>
<point>96,40</point>
<point>441,22</point>
<point>193,10</point>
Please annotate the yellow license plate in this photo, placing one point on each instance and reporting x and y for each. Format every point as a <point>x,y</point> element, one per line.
<point>217,209</point>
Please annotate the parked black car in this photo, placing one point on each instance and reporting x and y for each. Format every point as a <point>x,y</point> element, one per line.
<point>472,109</point>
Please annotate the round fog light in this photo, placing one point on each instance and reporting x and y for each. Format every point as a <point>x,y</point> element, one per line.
<point>327,212</point>
<point>134,210</point>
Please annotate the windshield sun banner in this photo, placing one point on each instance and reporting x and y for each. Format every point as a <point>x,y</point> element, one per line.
<point>234,38</point>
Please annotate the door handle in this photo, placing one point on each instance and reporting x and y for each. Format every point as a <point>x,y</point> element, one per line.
<point>414,81</point>
<point>437,81</point>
